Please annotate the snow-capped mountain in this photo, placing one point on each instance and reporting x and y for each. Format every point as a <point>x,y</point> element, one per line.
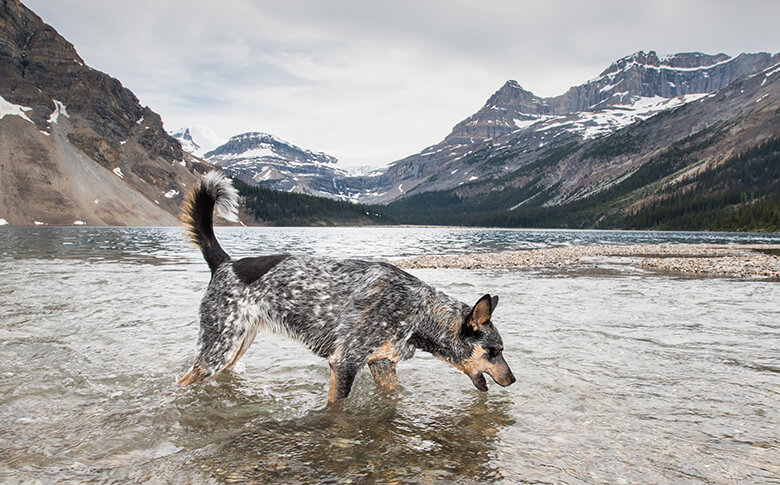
<point>261,158</point>
<point>626,82</point>
<point>184,137</point>
<point>197,140</point>
<point>515,124</point>
<point>507,133</point>
<point>708,163</point>
<point>515,128</point>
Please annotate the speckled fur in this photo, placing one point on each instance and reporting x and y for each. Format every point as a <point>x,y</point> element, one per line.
<point>351,312</point>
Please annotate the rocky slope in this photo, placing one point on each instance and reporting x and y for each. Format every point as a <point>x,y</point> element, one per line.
<point>77,147</point>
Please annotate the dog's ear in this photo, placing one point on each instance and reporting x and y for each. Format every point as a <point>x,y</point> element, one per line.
<point>481,312</point>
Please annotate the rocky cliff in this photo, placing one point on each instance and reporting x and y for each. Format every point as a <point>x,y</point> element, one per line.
<point>77,146</point>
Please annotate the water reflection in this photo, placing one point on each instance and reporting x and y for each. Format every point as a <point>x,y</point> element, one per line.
<point>379,439</point>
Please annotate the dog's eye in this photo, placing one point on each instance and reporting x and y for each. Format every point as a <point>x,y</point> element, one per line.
<point>494,352</point>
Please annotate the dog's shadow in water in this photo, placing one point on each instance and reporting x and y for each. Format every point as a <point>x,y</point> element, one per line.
<point>371,436</point>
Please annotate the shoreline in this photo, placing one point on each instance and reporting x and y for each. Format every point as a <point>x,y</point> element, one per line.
<point>743,261</point>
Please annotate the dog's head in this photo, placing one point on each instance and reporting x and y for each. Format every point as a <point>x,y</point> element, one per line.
<point>486,356</point>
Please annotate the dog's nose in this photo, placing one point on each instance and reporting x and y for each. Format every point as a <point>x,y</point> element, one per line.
<point>509,377</point>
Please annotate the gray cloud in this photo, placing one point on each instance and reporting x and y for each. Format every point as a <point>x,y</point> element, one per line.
<point>371,82</point>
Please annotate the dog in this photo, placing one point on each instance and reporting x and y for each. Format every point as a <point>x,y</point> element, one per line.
<point>351,312</point>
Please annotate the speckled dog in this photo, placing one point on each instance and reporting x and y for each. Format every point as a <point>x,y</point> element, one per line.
<point>351,312</point>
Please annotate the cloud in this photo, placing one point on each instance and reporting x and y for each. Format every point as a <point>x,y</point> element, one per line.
<point>372,82</point>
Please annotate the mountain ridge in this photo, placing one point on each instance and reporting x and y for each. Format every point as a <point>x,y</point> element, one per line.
<point>442,165</point>
<point>646,167</point>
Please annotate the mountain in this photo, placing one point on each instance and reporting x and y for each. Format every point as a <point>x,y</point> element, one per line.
<point>514,123</point>
<point>184,137</point>
<point>263,159</point>
<point>712,162</point>
<point>77,146</point>
<point>632,80</point>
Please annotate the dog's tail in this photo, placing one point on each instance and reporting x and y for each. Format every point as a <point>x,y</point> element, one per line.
<point>198,214</point>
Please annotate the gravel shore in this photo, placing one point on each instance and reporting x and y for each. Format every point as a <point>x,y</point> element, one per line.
<point>731,261</point>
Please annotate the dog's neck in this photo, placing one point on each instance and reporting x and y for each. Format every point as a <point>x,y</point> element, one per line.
<point>444,345</point>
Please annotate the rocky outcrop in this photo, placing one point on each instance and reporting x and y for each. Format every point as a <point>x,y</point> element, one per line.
<point>77,117</point>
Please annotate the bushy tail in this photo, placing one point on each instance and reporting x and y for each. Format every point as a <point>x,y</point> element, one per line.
<point>198,214</point>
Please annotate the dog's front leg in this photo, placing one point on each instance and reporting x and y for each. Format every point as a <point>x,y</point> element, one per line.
<point>342,375</point>
<point>383,371</point>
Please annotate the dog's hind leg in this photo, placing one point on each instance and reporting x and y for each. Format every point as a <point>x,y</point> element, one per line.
<point>249,337</point>
<point>223,339</point>
<point>383,372</point>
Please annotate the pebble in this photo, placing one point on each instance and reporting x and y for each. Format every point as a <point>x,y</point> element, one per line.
<point>722,260</point>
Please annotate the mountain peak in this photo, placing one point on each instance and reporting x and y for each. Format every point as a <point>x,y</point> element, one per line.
<point>184,137</point>
<point>640,58</point>
<point>261,158</point>
<point>256,144</point>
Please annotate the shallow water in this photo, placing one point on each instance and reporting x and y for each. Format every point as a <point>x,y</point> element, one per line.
<point>624,377</point>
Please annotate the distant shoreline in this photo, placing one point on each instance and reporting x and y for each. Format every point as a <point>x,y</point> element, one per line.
<point>746,261</point>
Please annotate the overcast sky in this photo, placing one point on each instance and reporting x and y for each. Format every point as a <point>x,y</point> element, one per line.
<point>370,82</point>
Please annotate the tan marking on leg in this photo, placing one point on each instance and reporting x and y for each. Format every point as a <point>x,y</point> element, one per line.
<point>332,385</point>
<point>383,372</point>
<point>333,382</point>
<point>385,351</point>
<point>241,350</point>
<point>195,374</point>
<point>382,366</point>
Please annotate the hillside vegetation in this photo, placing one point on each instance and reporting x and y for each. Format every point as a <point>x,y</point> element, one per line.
<point>273,207</point>
<point>741,194</point>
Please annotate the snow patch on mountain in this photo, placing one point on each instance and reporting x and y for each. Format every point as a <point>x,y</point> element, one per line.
<point>10,109</point>
<point>592,124</point>
<point>59,109</point>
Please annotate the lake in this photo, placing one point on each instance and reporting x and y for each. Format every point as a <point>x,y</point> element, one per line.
<point>622,376</point>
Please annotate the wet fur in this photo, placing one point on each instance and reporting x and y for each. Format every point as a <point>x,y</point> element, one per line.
<point>351,312</point>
